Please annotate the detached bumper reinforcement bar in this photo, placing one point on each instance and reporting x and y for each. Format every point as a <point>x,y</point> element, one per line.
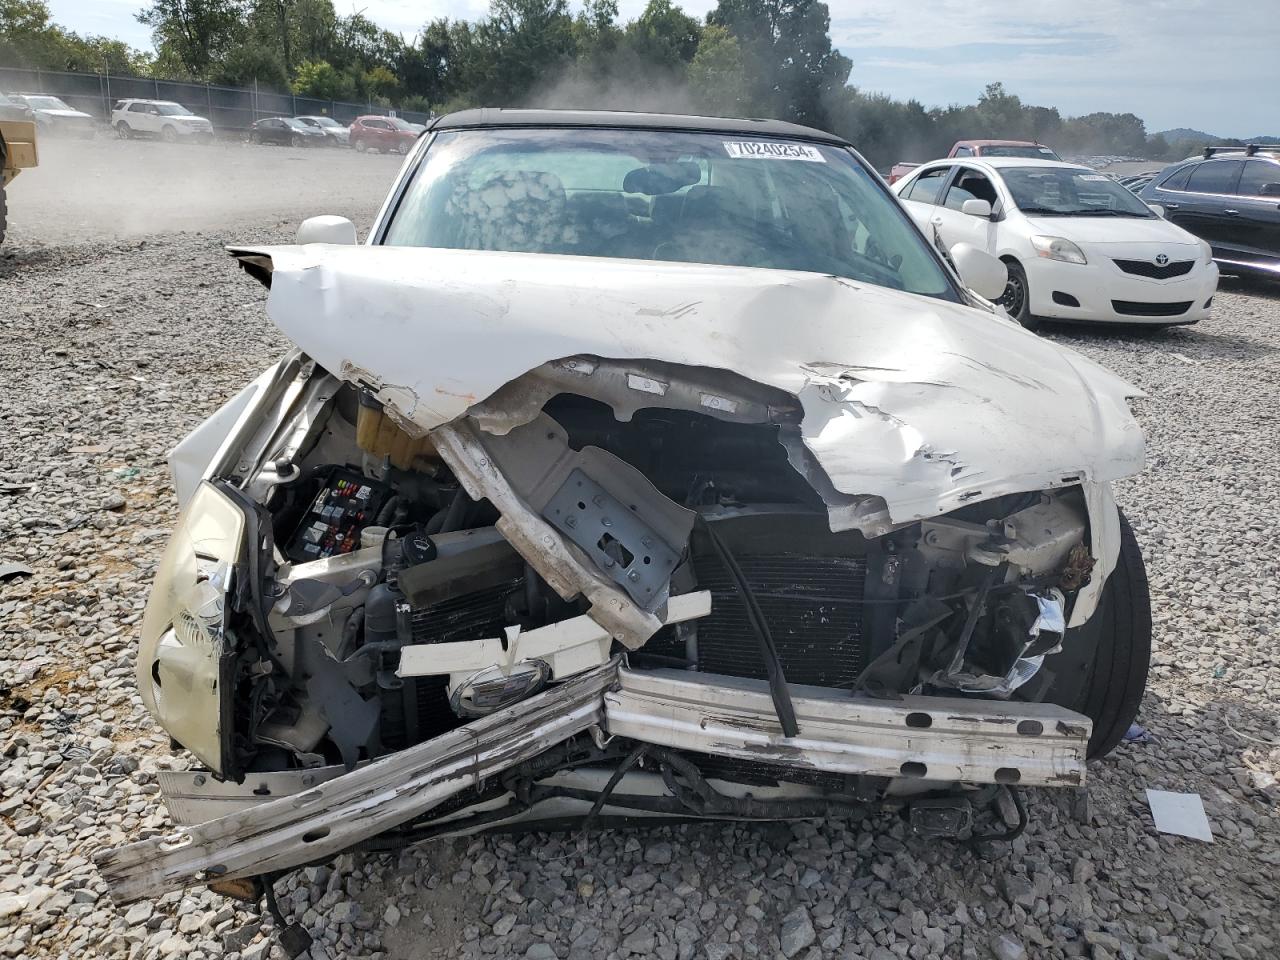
<point>923,738</point>
<point>320,822</point>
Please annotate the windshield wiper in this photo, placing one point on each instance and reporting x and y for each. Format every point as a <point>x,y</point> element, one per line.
<point>1107,213</point>
<point>1043,211</point>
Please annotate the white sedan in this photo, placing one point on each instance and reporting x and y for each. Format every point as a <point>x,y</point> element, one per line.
<point>1078,245</point>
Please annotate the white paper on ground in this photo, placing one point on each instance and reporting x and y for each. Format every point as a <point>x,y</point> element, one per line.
<point>1181,814</point>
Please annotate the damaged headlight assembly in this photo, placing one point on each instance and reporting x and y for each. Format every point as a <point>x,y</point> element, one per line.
<point>184,655</point>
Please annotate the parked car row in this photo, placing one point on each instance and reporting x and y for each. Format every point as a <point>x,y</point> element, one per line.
<point>172,122</point>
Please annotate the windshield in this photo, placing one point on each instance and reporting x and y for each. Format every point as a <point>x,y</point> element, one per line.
<point>1070,192</point>
<point>45,103</point>
<point>1030,153</point>
<point>323,121</point>
<point>172,110</point>
<point>665,195</point>
<point>400,124</point>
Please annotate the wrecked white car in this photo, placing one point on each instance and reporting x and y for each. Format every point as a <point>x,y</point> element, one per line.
<point>637,466</point>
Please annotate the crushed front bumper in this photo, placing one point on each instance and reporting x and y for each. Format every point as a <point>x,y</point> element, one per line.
<point>278,821</point>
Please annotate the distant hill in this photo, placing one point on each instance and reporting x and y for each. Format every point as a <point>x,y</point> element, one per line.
<point>1199,136</point>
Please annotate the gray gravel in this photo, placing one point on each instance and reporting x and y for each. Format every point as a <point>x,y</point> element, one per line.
<point>112,350</point>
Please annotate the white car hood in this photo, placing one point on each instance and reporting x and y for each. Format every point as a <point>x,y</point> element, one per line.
<point>64,113</point>
<point>926,404</point>
<point>1112,230</point>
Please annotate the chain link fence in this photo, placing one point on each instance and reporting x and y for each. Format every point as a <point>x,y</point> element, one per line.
<point>228,108</point>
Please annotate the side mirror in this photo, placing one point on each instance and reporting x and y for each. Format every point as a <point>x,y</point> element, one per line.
<point>1157,209</point>
<point>327,229</point>
<point>976,208</point>
<point>1270,190</point>
<point>982,273</point>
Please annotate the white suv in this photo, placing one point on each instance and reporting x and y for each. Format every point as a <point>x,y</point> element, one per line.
<point>159,118</point>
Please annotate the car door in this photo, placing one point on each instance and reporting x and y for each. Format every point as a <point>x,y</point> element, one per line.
<point>142,118</point>
<point>1201,206</point>
<point>1258,206</point>
<point>922,193</point>
<point>379,133</point>
<point>954,226</point>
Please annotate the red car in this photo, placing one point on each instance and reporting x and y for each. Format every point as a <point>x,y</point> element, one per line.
<point>383,134</point>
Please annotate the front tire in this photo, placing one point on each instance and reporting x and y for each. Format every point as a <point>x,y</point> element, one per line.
<point>1017,296</point>
<point>124,131</point>
<point>1105,673</point>
<point>168,134</point>
<point>402,147</point>
<point>360,146</point>
<point>296,140</point>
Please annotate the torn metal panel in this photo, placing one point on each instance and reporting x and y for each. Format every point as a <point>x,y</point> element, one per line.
<point>602,505</point>
<point>333,815</point>
<point>923,738</point>
<point>561,564</point>
<point>925,404</point>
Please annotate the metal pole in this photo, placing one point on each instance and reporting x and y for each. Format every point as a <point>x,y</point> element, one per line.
<point>155,82</point>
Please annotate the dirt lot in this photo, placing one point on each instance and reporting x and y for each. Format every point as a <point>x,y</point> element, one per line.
<point>119,332</point>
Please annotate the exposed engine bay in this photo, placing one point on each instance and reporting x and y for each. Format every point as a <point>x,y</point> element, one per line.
<point>659,562</point>
<point>396,610</point>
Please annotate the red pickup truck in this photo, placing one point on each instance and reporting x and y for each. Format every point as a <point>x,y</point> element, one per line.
<point>984,148</point>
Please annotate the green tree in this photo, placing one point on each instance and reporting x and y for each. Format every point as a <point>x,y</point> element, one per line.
<point>521,45</point>
<point>319,78</point>
<point>663,35</point>
<point>29,37</point>
<point>717,74</point>
<point>194,34</point>
<point>792,68</point>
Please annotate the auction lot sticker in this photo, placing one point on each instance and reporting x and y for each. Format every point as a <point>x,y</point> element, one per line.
<point>772,150</point>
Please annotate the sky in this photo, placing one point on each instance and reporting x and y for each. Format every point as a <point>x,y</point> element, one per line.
<point>1207,64</point>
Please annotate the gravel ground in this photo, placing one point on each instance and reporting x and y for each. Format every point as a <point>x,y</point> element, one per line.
<point>112,349</point>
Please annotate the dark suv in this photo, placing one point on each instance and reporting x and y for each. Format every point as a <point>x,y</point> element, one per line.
<point>1231,198</point>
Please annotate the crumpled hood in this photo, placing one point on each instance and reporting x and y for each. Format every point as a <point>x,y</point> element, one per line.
<point>926,404</point>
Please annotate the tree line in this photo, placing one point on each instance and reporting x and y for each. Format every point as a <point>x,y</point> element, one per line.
<point>763,58</point>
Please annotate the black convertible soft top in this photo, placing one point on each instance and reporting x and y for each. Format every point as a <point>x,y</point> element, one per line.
<point>503,117</point>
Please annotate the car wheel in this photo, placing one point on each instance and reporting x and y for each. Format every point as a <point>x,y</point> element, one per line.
<point>402,147</point>
<point>295,140</point>
<point>255,137</point>
<point>124,131</point>
<point>1017,296</point>
<point>168,134</point>
<point>1105,671</point>
<point>360,146</point>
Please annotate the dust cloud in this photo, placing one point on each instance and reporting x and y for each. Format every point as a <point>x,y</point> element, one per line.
<point>113,189</point>
<point>643,92</point>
